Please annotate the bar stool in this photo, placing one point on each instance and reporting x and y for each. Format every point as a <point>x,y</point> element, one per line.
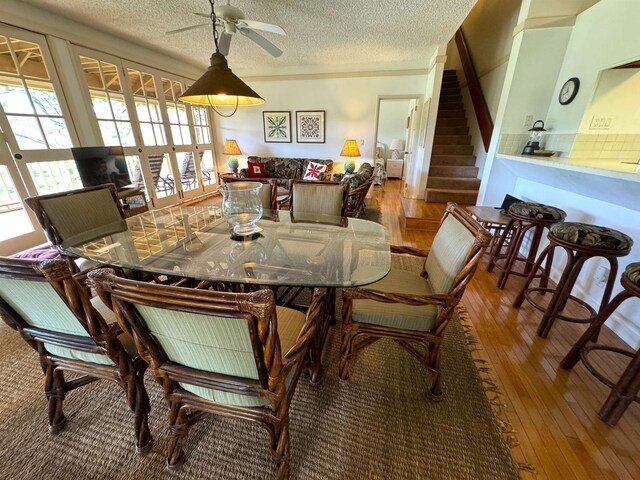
<point>494,221</point>
<point>581,242</point>
<point>525,216</point>
<point>626,389</point>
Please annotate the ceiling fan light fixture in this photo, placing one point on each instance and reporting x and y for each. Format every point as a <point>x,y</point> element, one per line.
<point>220,87</point>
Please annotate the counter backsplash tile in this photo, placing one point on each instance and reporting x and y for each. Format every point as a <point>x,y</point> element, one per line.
<point>612,146</point>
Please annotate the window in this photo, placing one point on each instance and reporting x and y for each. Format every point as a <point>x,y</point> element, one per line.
<point>147,107</point>
<point>28,98</point>
<point>107,98</point>
<point>177,112</point>
<point>201,124</point>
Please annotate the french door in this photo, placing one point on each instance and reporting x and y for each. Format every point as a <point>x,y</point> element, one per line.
<point>168,144</point>
<point>37,134</point>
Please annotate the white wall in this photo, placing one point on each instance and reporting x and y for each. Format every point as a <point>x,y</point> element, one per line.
<point>392,121</point>
<point>617,97</point>
<point>604,36</point>
<point>350,104</point>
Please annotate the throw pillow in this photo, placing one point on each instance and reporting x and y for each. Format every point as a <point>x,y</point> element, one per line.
<point>314,171</point>
<point>255,169</point>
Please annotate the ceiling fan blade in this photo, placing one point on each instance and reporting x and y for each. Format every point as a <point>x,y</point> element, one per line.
<point>260,40</point>
<point>185,29</point>
<point>224,42</point>
<point>265,27</point>
<point>205,15</point>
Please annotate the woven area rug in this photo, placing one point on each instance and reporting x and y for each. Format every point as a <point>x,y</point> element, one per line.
<point>379,425</point>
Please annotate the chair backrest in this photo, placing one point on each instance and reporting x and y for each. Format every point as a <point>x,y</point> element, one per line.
<point>268,192</point>
<point>356,198</point>
<point>53,309</point>
<point>66,214</point>
<point>227,343</point>
<point>456,251</point>
<point>327,198</point>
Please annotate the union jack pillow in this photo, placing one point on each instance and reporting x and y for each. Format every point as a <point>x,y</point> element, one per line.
<point>314,171</point>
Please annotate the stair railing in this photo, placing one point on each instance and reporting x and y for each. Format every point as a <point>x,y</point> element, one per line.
<point>479,103</point>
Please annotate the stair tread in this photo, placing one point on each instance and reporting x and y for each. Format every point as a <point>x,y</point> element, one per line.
<point>453,190</point>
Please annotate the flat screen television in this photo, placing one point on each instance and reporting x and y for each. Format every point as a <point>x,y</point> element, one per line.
<point>100,165</point>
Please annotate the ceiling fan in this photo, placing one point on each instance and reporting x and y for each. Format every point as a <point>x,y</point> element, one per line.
<point>232,20</point>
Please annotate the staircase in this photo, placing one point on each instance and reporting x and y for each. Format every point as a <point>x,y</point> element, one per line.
<point>452,174</point>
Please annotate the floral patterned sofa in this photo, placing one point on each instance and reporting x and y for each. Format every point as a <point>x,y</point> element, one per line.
<point>287,168</point>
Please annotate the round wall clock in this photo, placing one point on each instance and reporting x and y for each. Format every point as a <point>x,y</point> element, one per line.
<point>569,91</point>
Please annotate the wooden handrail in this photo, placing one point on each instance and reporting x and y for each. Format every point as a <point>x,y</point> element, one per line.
<point>479,103</point>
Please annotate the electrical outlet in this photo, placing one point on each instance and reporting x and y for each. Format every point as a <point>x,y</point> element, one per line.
<point>528,120</point>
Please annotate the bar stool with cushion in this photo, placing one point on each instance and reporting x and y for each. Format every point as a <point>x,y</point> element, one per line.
<point>525,217</point>
<point>581,242</point>
<point>626,389</point>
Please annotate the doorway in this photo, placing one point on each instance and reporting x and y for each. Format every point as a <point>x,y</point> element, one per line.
<point>395,125</point>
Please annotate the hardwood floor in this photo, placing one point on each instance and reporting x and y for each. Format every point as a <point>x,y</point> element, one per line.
<point>554,412</point>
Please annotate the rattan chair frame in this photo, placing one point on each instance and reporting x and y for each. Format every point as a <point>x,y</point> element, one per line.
<point>356,208</point>
<point>35,203</point>
<point>425,346</point>
<point>103,339</point>
<point>258,310</point>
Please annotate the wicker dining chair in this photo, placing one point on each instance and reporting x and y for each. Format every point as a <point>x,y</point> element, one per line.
<point>71,333</point>
<point>230,354</point>
<point>64,215</point>
<point>414,309</point>
<point>326,198</point>
<point>355,200</point>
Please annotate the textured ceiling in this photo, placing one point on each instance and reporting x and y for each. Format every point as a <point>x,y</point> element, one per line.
<point>322,35</point>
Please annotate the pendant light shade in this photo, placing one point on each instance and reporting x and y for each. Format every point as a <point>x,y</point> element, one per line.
<point>220,87</point>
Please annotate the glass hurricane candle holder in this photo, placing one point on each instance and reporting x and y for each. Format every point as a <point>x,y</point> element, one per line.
<point>242,207</point>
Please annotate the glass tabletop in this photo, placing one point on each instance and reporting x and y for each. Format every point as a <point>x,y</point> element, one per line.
<point>195,242</point>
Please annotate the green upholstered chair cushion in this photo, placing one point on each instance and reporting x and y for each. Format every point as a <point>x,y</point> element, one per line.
<point>215,344</point>
<point>318,198</point>
<point>633,272</point>
<point>85,264</point>
<point>41,306</point>
<point>537,210</point>
<point>78,213</point>
<point>448,254</point>
<point>591,235</point>
<point>397,315</point>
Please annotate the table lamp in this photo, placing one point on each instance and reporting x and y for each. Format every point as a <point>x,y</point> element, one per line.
<point>350,150</point>
<point>231,148</point>
<point>397,144</point>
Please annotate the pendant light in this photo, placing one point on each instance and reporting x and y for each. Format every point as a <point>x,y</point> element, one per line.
<point>219,86</point>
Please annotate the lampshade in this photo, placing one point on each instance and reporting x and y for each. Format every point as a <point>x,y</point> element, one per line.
<point>219,86</point>
<point>350,149</point>
<point>397,144</point>
<point>231,148</point>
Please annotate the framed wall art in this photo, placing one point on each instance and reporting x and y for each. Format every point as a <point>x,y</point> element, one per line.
<point>310,126</point>
<point>277,127</point>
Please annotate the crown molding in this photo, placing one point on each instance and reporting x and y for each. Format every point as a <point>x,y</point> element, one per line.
<point>320,76</point>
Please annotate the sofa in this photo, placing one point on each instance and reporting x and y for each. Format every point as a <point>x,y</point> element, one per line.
<point>287,168</point>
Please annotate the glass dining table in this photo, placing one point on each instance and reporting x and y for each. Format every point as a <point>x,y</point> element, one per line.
<point>295,250</point>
